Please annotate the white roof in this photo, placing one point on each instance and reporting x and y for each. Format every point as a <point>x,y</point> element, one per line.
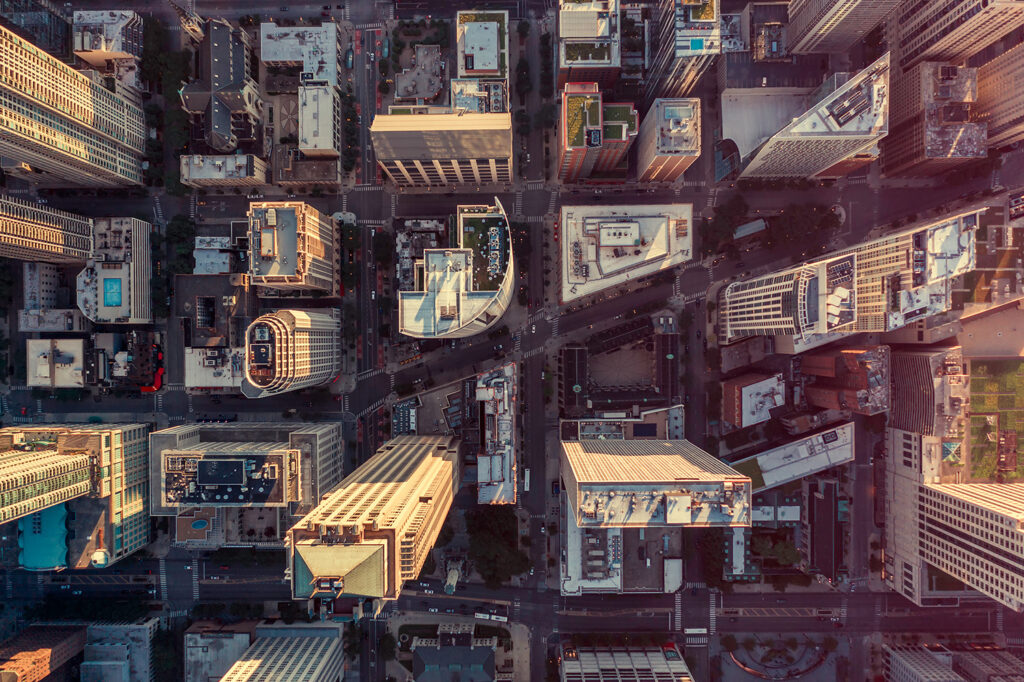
<point>803,457</point>
<point>496,465</point>
<point>315,47</point>
<point>316,118</point>
<point>760,398</point>
<point>55,363</point>
<point>214,367</point>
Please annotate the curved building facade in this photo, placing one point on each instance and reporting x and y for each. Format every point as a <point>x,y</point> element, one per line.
<point>462,291</point>
<point>289,350</point>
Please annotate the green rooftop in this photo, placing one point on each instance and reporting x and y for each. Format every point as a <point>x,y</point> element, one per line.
<point>475,231</point>
<point>587,52</point>
<point>701,11</point>
<point>752,470</point>
<point>621,113</point>
<point>581,112</point>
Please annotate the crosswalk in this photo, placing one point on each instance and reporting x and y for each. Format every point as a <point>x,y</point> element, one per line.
<point>842,609</point>
<point>517,207</point>
<point>190,408</point>
<point>698,585</point>
<point>552,202</point>
<point>517,342</point>
<point>347,13</point>
<point>192,207</point>
<point>535,184</point>
<point>369,27</point>
<point>367,373</point>
<point>344,202</point>
<point>163,580</point>
<point>39,406</point>
<point>365,188</point>
<point>696,640</point>
<point>678,620</point>
<point>344,402</point>
<point>677,285</point>
<point>372,223</point>
<point>534,351</point>
<point>371,408</point>
<point>999,619</point>
<point>712,596</point>
<point>158,402</point>
<point>554,326</point>
<point>391,381</point>
<point>394,205</point>
<point>195,579</point>
<point>158,210</point>
<point>515,609</point>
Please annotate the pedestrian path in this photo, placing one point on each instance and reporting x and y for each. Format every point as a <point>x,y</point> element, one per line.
<point>195,579</point>
<point>158,399</point>
<point>369,27</point>
<point>712,596</point>
<point>391,381</point>
<point>372,223</point>
<point>344,403</point>
<point>842,608</point>
<point>367,373</point>
<point>517,342</point>
<point>696,640</point>
<point>163,580</point>
<point>394,205</point>
<point>678,621</point>
<point>517,207</point>
<point>192,207</point>
<point>699,586</point>
<point>554,326</point>
<point>515,609</point>
<point>532,352</point>
<point>371,408</point>
<point>552,202</point>
<point>158,210</point>
<point>366,188</point>
<point>344,202</point>
<point>999,619</point>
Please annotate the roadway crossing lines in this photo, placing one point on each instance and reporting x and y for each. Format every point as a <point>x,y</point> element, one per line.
<point>372,223</point>
<point>535,184</point>
<point>878,608</point>
<point>391,381</point>
<point>369,27</point>
<point>367,373</point>
<point>677,286</point>
<point>371,408</point>
<point>192,207</point>
<point>713,612</point>
<point>365,188</point>
<point>552,202</point>
<point>195,579</point>
<point>158,400</point>
<point>163,580</point>
<point>344,202</point>
<point>699,586</point>
<point>532,352</point>
<point>18,387</point>
<point>696,640</point>
<point>39,406</point>
<point>554,326</point>
<point>515,609</point>
<point>999,619</point>
<point>190,408</point>
<point>842,609</point>
<point>394,205</point>
<point>517,207</point>
<point>158,210</point>
<point>344,400</point>
<point>677,623</point>
<point>517,342</point>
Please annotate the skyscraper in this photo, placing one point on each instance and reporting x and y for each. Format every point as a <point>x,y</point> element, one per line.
<point>303,651</point>
<point>40,650</point>
<point>1000,102</point>
<point>685,40</point>
<point>61,122</point>
<point>954,30</point>
<point>669,140</point>
<point>289,350</point>
<point>817,26</point>
<point>593,135</point>
<point>589,42</point>
<point>292,247</point>
<point>33,232</point>
<point>623,662</point>
<point>114,287</point>
<point>373,532</point>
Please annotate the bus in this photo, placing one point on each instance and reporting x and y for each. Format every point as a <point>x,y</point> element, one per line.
<point>695,631</point>
<point>526,483</point>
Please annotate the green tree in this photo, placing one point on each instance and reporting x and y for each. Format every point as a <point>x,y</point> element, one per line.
<point>351,641</point>
<point>387,646</point>
<point>493,544</point>
<point>729,643</point>
<point>524,84</point>
<point>829,644</point>
<point>524,29</point>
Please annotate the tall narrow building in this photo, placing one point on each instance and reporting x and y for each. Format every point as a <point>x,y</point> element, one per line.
<point>60,122</point>
<point>373,532</point>
<point>685,39</point>
<point>289,350</point>
<point>593,135</point>
<point>292,247</point>
<point>589,42</point>
<point>34,232</point>
<point>669,140</point>
<point>954,30</point>
<point>1000,104</point>
<point>830,26</point>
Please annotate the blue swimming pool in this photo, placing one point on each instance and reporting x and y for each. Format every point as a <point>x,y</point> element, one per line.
<point>112,292</point>
<point>696,44</point>
<point>200,524</point>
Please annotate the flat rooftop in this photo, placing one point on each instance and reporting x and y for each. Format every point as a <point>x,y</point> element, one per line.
<point>801,458</point>
<point>678,126</point>
<point>589,33</point>
<point>758,399</point>
<point>603,246</point>
<point>315,47</point>
<point>666,423</point>
<point>55,363</point>
<point>581,116</point>
<point>482,43</point>
<point>258,476</point>
<point>952,130</point>
<point>214,368</point>
<point>114,286</point>
<point>475,95</point>
<point>273,240</point>
<point>425,79</point>
<point>855,105</point>
<point>697,28</point>
<point>219,166</point>
<point>496,390</point>
<point>108,31</point>
<point>316,118</point>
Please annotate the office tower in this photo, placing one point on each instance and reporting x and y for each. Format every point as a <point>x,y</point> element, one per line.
<point>952,31</point>
<point>47,467</point>
<point>669,140</point>
<point>103,36</point>
<point>465,290</point>
<point>848,115</point>
<point>59,122</point>
<point>831,26</point>
<point>936,662</point>
<point>315,49</point>
<point>792,461</point>
<point>748,399</point>
<point>685,39</point>
<point>114,287</point>
<point>38,651</point>
<point>589,42</point>
<point>497,395</point>
<point>119,651</point>
<point>288,350</point>
<point>40,22</point>
<point>617,663</point>
<point>222,170</point>
<point>855,379</point>
<point>374,531</point>
<point>311,652</point>
<point>224,98</point>
<point>292,247</point>
<point>1000,103</point>
<point>934,121</point>
<point>593,136</point>
<point>620,480</point>
<point>276,470</point>
<point>320,126</point>
<point>481,44</point>
<point>880,285</point>
<point>446,148</point>
<point>34,232</point>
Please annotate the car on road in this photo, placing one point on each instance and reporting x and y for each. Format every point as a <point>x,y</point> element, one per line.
<point>77,593</point>
<point>531,570</point>
<point>428,591</point>
<point>225,568</point>
<point>698,333</point>
<point>65,587</point>
<point>449,610</point>
<point>327,7</point>
<point>432,609</point>
<point>188,567</point>
<point>349,58</point>
<point>284,9</point>
<point>686,399</point>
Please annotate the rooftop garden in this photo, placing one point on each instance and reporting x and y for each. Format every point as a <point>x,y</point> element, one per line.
<point>620,113</point>
<point>752,470</point>
<point>483,18</point>
<point>475,236</point>
<point>701,10</point>
<point>997,394</point>
<point>578,108</point>
<point>587,52</point>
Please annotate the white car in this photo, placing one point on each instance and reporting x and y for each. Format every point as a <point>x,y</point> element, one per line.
<point>432,610</point>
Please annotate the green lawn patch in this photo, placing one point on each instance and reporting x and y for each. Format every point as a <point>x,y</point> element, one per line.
<point>475,236</point>
<point>997,388</point>
<point>751,469</point>
<point>587,52</point>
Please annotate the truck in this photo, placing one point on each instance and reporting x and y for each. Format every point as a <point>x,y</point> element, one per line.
<point>526,481</point>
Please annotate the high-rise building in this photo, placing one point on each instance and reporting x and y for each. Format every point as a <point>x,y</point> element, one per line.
<point>38,651</point>
<point>669,140</point>
<point>848,115</point>
<point>288,350</point>
<point>950,663</point>
<point>277,470</point>
<point>316,50</point>
<point>224,98</point>
<point>589,42</point>
<point>497,395</point>
<point>64,124</point>
<point>292,247</point>
<point>935,121</point>
<point>374,531</point>
<point>618,663</point>
<point>954,30</point>
<point>880,285</point>
<point>831,26</point>
<point>102,36</point>
<point>1000,103</point>
<point>301,651</point>
<point>222,170</point>
<point>114,287</point>
<point>465,290</point>
<point>481,44</point>
<point>686,37</point>
<point>40,22</point>
<point>592,135</point>
<point>34,232</point>
<point>95,473</point>
<point>855,379</point>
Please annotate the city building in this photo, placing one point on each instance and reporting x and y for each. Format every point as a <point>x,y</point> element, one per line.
<point>55,363</point>
<point>423,81</point>
<point>669,140</point>
<point>999,106</point>
<point>855,379</point>
<point>444,148</point>
<point>481,44</point>
<point>843,119</point>
<point>374,530</point>
<point>222,170</point>
<point>605,246</point>
<point>462,291</point>
<point>593,136</point>
<point>498,395</point>
<point>300,651</point>
<point>320,127</point>
<point>589,42</point>
<point>316,49</point>
<point>212,647</point>
<point>102,36</point>
<point>880,285</point>
<point>34,232</point>
<point>288,350</point>
<point>821,533</point>
<point>114,287</point>
<point>685,38</point>
<point>935,126</point>
<point>119,652</point>
<point>950,31</point>
<point>831,26</point>
<point>628,499</point>
<point>252,477</point>
<point>292,247</point>
<point>748,400</point>
<point>40,650</point>
<point>78,492</point>
<point>950,662</point>
<point>616,663</point>
<point>454,652</point>
<point>40,22</point>
<point>831,447</point>
<point>224,98</point>
<point>64,125</point>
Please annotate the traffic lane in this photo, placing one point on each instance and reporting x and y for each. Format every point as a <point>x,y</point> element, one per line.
<point>254,591</point>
